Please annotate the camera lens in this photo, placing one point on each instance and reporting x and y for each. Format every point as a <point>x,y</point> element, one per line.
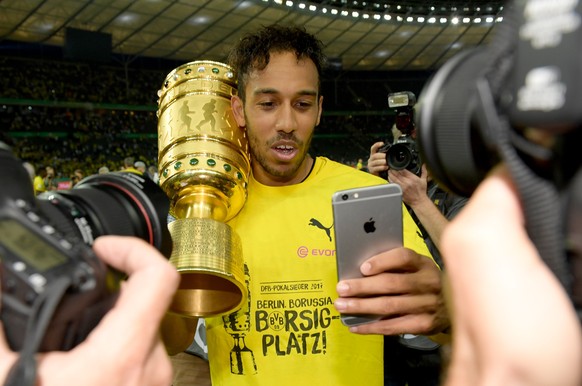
<point>120,203</point>
<point>345,197</point>
<point>399,157</point>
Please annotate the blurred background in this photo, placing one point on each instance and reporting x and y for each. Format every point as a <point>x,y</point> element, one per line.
<point>79,78</point>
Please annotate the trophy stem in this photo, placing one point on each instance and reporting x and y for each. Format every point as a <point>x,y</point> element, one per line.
<point>201,203</point>
<point>208,255</point>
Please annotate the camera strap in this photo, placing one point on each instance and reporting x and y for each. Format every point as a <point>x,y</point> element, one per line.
<point>23,372</point>
<point>539,196</point>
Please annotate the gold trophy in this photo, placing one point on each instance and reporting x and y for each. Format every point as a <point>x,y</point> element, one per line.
<point>204,167</point>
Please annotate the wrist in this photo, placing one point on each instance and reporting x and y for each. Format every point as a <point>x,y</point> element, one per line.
<point>422,201</point>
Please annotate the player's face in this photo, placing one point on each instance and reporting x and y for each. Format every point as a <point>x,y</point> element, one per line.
<point>281,111</point>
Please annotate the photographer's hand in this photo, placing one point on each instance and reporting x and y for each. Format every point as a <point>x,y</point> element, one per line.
<point>413,187</point>
<point>124,349</point>
<point>513,324</point>
<point>377,161</point>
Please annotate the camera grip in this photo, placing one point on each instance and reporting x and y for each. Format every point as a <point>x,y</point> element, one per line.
<point>76,316</point>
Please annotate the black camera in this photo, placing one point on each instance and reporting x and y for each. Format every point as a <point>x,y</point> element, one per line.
<point>403,152</point>
<point>54,289</point>
<point>517,100</point>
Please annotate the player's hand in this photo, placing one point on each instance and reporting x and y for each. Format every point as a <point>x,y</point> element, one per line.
<point>403,288</point>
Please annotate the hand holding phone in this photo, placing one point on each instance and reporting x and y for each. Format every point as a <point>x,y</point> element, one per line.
<point>367,221</point>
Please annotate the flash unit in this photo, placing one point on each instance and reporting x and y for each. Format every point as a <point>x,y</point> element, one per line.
<point>401,99</point>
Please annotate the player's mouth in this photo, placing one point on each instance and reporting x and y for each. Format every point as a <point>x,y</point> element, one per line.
<point>284,151</point>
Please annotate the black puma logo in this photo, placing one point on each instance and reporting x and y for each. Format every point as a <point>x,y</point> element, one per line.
<point>316,223</point>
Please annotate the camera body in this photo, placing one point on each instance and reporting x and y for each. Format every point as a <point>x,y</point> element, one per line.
<point>403,152</point>
<point>34,255</point>
<point>46,255</point>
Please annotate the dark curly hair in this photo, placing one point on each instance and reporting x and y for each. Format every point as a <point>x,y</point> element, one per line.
<point>253,50</point>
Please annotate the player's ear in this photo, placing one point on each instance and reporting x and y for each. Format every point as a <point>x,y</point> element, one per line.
<point>238,110</point>
<point>320,108</point>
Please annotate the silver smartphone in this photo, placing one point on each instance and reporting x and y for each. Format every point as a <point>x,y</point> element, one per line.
<point>367,221</point>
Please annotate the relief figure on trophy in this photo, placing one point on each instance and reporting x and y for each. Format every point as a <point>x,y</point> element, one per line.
<point>209,109</point>
<point>184,114</point>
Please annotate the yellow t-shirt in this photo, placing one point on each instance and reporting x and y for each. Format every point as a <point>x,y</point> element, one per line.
<point>289,332</point>
<point>38,184</point>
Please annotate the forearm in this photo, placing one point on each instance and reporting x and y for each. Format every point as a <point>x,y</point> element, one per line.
<point>433,221</point>
<point>177,332</point>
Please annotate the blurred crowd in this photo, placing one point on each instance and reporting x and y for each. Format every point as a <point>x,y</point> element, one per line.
<point>82,117</point>
<point>69,139</point>
<point>66,81</point>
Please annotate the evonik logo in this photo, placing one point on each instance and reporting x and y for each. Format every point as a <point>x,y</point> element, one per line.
<point>304,251</point>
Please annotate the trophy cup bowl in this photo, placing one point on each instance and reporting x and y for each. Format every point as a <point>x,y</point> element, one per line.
<point>204,166</point>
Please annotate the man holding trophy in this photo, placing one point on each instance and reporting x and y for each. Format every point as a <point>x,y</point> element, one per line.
<point>275,311</point>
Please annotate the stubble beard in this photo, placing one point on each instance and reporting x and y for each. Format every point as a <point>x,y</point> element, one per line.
<point>290,169</point>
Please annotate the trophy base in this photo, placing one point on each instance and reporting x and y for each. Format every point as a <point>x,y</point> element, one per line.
<point>208,255</point>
